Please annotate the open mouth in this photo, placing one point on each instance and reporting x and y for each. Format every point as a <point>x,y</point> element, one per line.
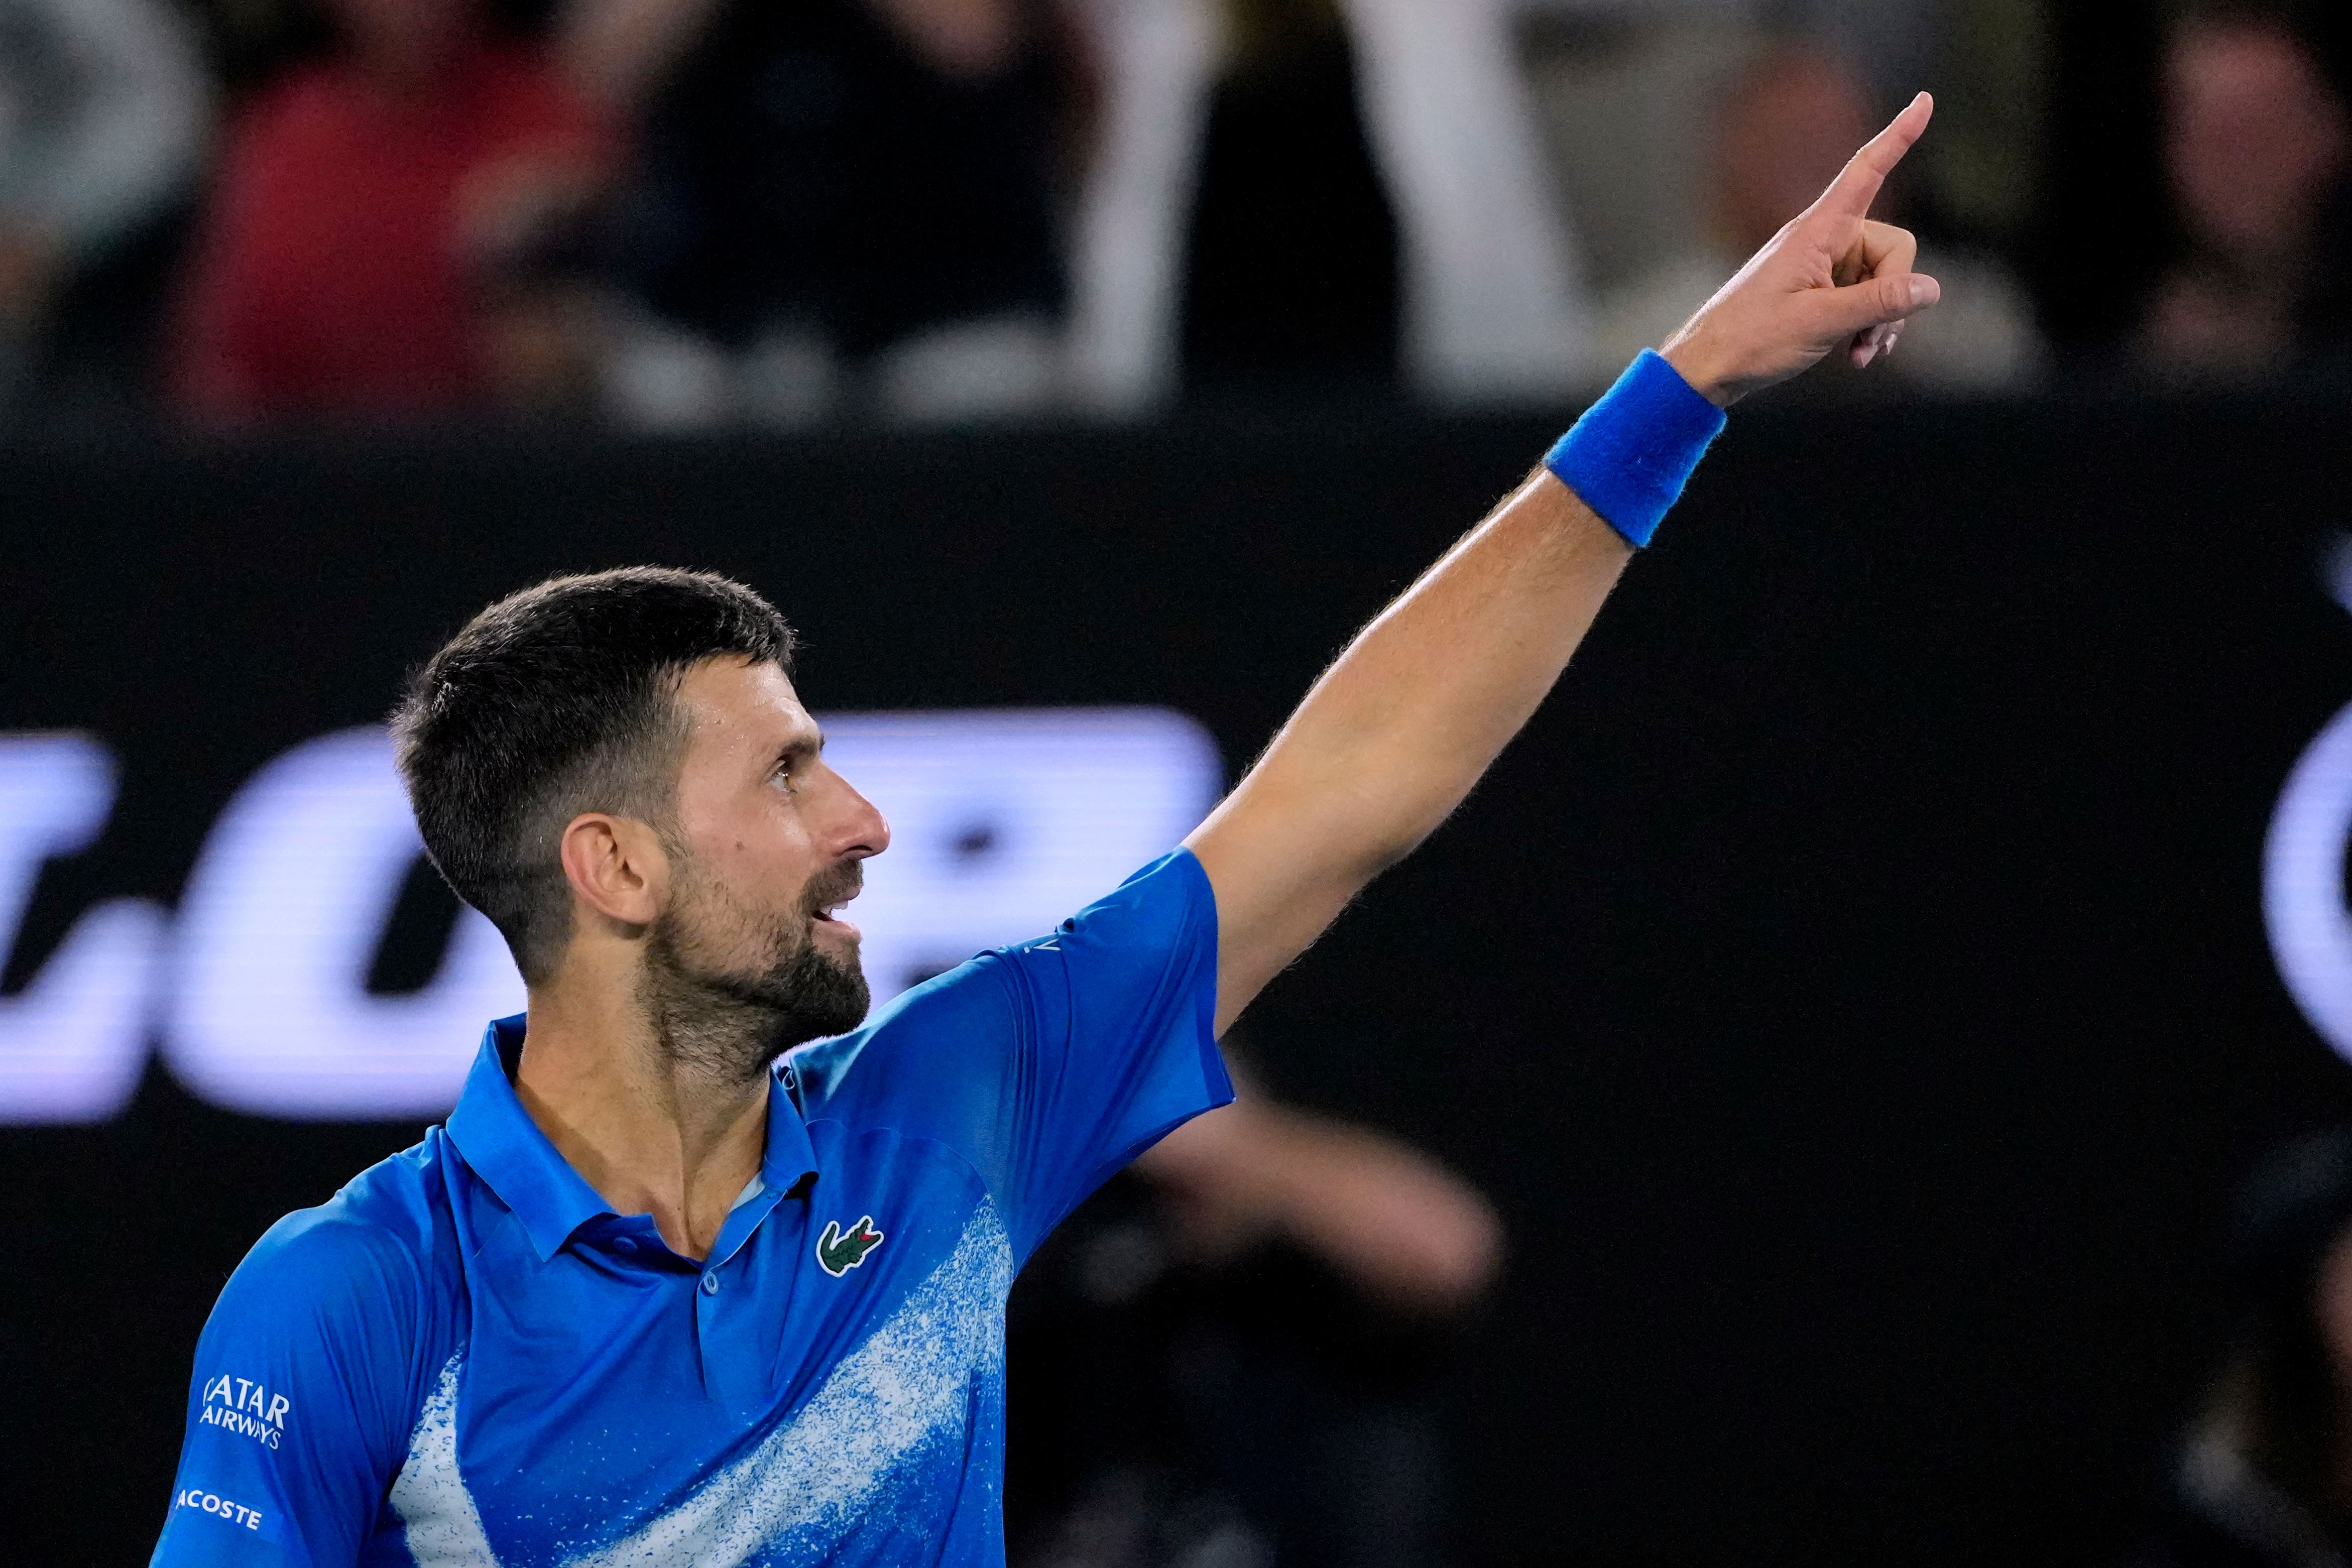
<point>841,889</point>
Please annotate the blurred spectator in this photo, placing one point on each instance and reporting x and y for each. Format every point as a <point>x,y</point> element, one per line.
<point>1230,1355</point>
<point>249,43</point>
<point>2255,153</point>
<point>2263,1478</point>
<point>1624,97</point>
<point>868,185</point>
<point>1490,307</point>
<point>373,237</point>
<point>104,115</point>
<point>1629,97</point>
<point>1785,126</point>
<point>1284,172</point>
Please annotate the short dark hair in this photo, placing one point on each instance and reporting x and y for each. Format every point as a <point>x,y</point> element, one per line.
<point>554,701</point>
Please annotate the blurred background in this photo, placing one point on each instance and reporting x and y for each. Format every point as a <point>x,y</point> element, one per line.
<point>1863,1078</point>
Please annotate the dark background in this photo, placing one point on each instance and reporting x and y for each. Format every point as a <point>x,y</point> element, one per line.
<point>1853,988</point>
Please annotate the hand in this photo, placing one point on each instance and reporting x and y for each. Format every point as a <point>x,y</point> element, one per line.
<point>1830,276</point>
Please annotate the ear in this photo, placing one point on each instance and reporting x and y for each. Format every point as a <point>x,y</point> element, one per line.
<point>617,866</point>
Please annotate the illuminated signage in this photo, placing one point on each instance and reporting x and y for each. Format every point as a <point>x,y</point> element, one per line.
<point>1002,823</point>
<point>269,1010</point>
<point>73,1041</point>
<point>2303,859</point>
<point>2302,883</point>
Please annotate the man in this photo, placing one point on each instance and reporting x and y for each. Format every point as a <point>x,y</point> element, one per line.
<point>366,245</point>
<point>645,1300</point>
<point>2257,144</point>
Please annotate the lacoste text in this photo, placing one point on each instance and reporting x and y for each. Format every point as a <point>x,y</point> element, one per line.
<point>212,1502</point>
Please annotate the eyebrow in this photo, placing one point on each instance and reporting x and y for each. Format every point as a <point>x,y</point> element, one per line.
<point>801,748</point>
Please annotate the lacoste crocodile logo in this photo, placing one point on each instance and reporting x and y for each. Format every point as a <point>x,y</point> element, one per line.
<point>838,1250</point>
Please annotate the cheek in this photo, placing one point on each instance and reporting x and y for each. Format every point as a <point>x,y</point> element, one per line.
<point>763,857</point>
<point>732,921</point>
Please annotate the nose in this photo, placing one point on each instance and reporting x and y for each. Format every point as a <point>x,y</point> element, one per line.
<point>862,831</point>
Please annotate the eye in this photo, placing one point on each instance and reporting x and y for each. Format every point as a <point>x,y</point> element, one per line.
<point>783,777</point>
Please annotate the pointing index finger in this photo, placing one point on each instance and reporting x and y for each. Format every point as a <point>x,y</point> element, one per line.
<point>1856,186</point>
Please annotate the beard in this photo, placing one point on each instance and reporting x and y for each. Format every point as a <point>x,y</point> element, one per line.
<point>730,989</point>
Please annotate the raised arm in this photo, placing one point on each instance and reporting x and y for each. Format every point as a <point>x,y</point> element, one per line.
<point>1399,729</point>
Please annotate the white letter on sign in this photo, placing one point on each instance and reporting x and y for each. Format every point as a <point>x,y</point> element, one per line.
<point>1004,822</point>
<point>283,914</point>
<point>72,1044</point>
<point>2302,883</point>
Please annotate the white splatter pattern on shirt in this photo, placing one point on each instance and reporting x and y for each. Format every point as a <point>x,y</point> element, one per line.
<point>907,1390</point>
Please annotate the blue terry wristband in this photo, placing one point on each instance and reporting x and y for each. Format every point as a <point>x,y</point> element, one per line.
<point>1630,456</point>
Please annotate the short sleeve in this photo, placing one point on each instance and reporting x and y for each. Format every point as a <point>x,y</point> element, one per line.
<point>297,1412</point>
<point>1051,1064</point>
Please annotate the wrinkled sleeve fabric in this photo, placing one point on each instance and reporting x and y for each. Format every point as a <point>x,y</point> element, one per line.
<point>1050,1064</point>
<point>296,1410</point>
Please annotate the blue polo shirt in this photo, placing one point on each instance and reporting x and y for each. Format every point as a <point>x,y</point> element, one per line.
<point>466,1358</point>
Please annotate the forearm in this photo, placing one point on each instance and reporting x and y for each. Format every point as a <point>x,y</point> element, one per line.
<point>1403,1227</point>
<point>1398,730</point>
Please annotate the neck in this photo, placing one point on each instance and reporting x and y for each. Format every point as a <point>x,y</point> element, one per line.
<point>653,1128</point>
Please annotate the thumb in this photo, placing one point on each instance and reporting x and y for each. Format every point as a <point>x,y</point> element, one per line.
<point>1874,302</point>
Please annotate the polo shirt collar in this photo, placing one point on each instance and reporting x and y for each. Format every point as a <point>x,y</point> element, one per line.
<point>789,1156</point>
<point>505,1148</point>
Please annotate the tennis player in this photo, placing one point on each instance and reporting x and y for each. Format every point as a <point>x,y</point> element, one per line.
<point>709,1267</point>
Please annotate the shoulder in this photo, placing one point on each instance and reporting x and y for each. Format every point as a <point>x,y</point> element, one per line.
<point>1164,902</point>
<point>850,1077</point>
<point>362,1262</point>
<point>948,1036</point>
<point>1152,936</point>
